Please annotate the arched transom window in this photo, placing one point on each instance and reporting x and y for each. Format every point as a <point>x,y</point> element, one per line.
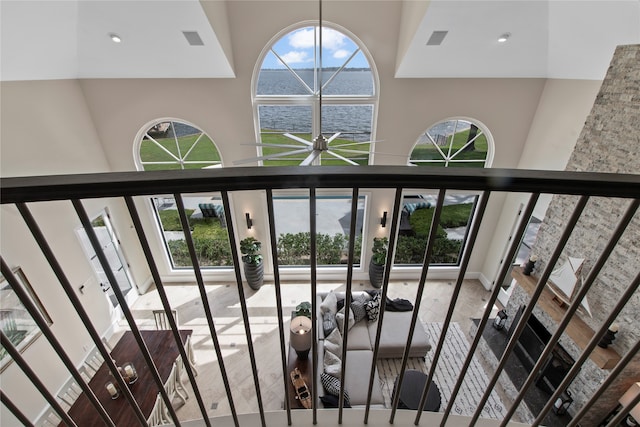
<point>454,142</point>
<point>172,144</point>
<point>290,85</point>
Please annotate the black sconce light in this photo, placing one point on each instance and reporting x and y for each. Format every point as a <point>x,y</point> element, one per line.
<point>383,220</point>
<point>249,220</point>
<point>500,320</point>
<point>562,403</point>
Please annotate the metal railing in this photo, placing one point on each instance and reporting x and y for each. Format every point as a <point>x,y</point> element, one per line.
<point>21,191</point>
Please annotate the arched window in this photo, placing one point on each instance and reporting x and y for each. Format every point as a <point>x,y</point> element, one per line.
<point>288,89</point>
<point>173,144</point>
<point>450,143</point>
<point>454,142</point>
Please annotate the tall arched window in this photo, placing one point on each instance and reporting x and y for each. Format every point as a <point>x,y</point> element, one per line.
<point>174,144</point>
<point>287,89</point>
<point>451,143</point>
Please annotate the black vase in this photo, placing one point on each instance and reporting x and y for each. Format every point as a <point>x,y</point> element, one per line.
<point>376,274</point>
<point>528,268</point>
<point>254,274</point>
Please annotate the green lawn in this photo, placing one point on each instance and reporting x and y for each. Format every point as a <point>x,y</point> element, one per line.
<point>204,152</point>
<point>429,151</point>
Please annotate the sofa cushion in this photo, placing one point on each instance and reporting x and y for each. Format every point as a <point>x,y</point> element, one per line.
<point>357,378</point>
<point>358,338</point>
<point>394,333</point>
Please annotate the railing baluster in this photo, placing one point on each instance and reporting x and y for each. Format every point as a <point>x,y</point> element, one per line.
<point>314,286</point>
<point>276,279</point>
<point>473,234</point>
<point>435,221</point>
<point>603,387</point>
<point>615,421</point>
<point>383,296</point>
<point>345,327</point>
<point>522,226</point>
<point>17,357</point>
<point>64,281</point>
<point>46,331</point>
<point>243,303</point>
<point>564,238</point>
<point>15,410</point>
<point>93,238</point>
<point>589,348</point>
<point>595,270</point>
<point>205,302</point>
<point>155,274</point>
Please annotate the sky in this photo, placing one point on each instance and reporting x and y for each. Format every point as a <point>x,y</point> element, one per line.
<point>296,49</point>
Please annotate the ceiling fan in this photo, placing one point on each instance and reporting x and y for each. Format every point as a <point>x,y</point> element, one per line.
<point>320,144</point>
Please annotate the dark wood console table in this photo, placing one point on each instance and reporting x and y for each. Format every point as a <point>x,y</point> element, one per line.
<point>577,329</point>
<point>305,367</point>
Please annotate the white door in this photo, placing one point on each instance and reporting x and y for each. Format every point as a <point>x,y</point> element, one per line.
<point>117,262</point>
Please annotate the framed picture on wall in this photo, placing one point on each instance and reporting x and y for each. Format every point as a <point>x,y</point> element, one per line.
<point>15,321</point>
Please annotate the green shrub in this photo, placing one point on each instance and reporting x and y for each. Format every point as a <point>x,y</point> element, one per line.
<point>295,249</point>
<point>411,250</point>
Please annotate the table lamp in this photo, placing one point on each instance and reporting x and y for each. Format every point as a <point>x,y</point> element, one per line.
<point>300,337</point>
<point>626,398</point>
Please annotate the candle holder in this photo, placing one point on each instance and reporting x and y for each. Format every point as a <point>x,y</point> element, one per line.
<point>112,389</point>
<point>129,373</point>
<point>530,265</point>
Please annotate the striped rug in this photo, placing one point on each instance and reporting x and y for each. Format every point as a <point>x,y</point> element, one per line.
<point>450,362</point>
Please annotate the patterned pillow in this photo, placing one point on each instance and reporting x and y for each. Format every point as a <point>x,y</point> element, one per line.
<point>373,308</point>
<point>331,401</point>
<point>340,320</point>
<point>329,323</point>
<point>332,386</point>
<point>358,308</point>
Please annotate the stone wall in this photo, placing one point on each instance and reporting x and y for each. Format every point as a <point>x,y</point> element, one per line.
<point>609,142</point>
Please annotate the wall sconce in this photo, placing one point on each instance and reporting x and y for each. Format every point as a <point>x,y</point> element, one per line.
<point>562,403</point>
<point>249,220</point>
<point>383,220</point>
<point>500,320</point>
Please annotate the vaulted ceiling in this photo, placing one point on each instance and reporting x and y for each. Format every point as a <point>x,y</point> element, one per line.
<point>66,39</point>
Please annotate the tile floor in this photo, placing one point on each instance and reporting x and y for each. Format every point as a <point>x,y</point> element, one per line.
<point>261,306</point>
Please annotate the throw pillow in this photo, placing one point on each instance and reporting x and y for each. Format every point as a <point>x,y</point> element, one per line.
<point>333,343</point>
<point>340,320</point>
<point>332,386</point>
<point>328,322</point>
<point>358,307</point>
<point>330,303</point>
<point>331,401</point>
<point>373,308</point>
<point>331,364</point>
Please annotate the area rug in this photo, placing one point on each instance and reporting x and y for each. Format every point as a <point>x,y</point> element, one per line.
<point>452,357</point>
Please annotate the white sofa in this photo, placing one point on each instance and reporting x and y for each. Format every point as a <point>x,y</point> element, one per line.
<point>360,345</point>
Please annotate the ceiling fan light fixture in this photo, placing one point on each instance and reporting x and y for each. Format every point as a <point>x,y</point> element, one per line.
<point>504,37</point>
<point>115,38</point>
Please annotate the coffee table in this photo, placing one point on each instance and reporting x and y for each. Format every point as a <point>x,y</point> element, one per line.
<point>412,387</point>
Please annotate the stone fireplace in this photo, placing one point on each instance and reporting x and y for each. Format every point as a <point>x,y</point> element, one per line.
<point>609,142</point>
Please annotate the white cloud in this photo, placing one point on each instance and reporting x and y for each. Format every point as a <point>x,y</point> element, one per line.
<point>341,54</point>
<point>302,39</point>
<point>332,40</point>
<point>295,57</point>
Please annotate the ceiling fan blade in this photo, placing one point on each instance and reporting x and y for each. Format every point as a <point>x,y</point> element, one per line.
<point>310,158</point>
<point>355,143</point>
<point>344,159</point>
<point>346,150</point>
<point>270,156</point>
<point>297,138</point>
<point>334,136</point>
<point>263,144</point>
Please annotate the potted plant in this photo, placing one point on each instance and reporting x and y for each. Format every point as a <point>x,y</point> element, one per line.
<point>378,260</point>
<point>303,309</point>
<point>253,266</point>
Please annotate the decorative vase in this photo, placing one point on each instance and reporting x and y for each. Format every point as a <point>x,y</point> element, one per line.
<point>254,274</point>
<point>376,274</point>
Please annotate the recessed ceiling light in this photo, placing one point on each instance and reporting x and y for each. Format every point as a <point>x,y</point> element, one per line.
<point>504,37</point>
<point>115,38</point>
